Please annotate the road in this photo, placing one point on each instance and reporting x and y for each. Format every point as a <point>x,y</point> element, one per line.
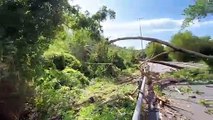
<point>191,109</point>
<point>162,68</point>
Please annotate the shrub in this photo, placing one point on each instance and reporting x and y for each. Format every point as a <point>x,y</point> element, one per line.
<point>206,48</point>
<point>117,61</point>
<point>62,60</point>
<point>188,41</point>
<point>57,91</point>
<point>154,49</point>
<point>192,75</point>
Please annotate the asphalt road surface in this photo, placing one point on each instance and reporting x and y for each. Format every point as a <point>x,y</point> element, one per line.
<point>190,106</point>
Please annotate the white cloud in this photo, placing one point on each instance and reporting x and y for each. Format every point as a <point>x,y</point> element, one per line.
<point>197,24</point>
<point>150,27</point>
<point>91,5</point>
<point>160,27</point>
<point>162,23</point>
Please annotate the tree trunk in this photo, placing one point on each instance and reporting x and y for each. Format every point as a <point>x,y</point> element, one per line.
<point>164,43</point>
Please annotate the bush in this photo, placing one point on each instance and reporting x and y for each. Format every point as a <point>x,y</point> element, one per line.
<point>103,70</point>
<point>57,91</point>
<point>206,48</point>
<point>185,40</point>
<point>154,49</point>
<point>117,61</point>
<point>192,75</point>
<point>62,60</point>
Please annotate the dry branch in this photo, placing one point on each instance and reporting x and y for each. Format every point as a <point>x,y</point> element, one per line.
<point>164,43</point>
<point>98,63</point>
<point>166,64</point>
<point>158,55</point>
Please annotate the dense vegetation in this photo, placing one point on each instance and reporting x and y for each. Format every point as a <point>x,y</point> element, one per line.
<point>153,49</point>
<point>50,52</point>
<point>186,40</point>
<point>55,63</point>
<point>189,41</point>
<point>192,75</point>
<point>197,11</point>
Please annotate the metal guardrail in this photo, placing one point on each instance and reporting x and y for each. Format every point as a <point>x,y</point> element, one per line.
<point>138,108</point>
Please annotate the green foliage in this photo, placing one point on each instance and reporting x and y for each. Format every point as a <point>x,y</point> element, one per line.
<point>51,45</point>
<point>158,90</point>
<point>206,47</point>
<point>99,53</point>
<point>117,60</point>
<point>103,70</point>
<point>110,101</point>
<point>185,89</point>
<point>205,102</point>
<point>57,91</point>
<point>26,24</point>
<point>80,44</point>
<point>120,109</point>
<point>209,111</point>
<point>62,60</point>
<point>130,55</point>
<point>192,75</point>
<point>27,27</point>
<point>91,23</point>
<point>59,55</point>
<point>153,49</point>
<point>198,10</point>
<point>187,41</point>
<point>102,14</point>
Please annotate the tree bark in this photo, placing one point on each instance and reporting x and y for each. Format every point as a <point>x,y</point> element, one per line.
<point>158,55</point>
<point>164,43</point>
<point>166,64</point>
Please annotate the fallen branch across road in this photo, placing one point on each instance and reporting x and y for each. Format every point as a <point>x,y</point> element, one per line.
<point>166,64</point>
<point>164,43</point>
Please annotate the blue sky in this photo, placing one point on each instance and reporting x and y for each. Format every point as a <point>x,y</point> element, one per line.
<point>161,19</point>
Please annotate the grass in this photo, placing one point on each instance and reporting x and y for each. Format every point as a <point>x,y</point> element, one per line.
<point>185,89</point>
<point>209,111</point>
<point>158,90</point>
<point>131,71</point>
<point>111,101</point>
<point>205,102</point>
<point>193,76</point>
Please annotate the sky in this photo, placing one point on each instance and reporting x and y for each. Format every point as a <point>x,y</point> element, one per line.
<point>159,19</point>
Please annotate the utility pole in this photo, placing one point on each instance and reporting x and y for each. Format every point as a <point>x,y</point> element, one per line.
<point>141,36</point>
<point>141,32</point>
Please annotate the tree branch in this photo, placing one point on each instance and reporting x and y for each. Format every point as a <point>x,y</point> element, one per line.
<point>158,55</point>
<point>164,43</point>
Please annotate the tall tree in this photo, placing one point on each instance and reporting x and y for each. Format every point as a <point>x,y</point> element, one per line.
<point>185,40</point>
<point>26,29</point>
<point>200,9</point>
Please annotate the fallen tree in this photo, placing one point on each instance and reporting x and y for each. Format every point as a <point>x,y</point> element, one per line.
<point>175,48</point>
<point>166,64</point>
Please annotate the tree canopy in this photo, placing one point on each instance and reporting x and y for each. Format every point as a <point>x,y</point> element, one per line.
<point>200,9</point>
<point>154,49</point>
<point>185,40</point>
